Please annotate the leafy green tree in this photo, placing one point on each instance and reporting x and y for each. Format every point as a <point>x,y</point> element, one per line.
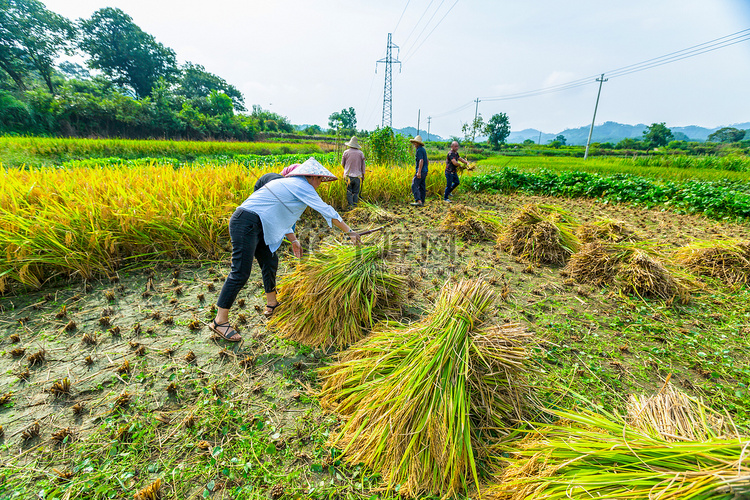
<point>195,82</point>
<point>498,130</point>
<point>125,53</point>
<point>727,134</point>
<point>384,146</point>
<point>630,143</point>
<point>561,139</point>
<point>344,121</point>
<point>267,119</point>
<point>471,129</point>
<point>657,135</point>
<point>313,130</point>
<point>31,38</point>
<point>73,70</point>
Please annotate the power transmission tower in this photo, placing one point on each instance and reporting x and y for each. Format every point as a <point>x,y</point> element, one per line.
<point>389,61</point>
<point>591,130</point>
<point>473,124</point>
<point>428,128</point>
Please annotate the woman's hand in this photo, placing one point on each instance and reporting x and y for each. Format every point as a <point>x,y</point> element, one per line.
<point>355,237</point>
<point>297,249</point>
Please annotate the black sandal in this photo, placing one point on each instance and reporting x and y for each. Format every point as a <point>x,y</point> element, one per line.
<point>272,308</point>
<point>229,333</point>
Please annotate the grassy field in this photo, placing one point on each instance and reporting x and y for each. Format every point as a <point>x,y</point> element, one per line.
<point>127,262</point>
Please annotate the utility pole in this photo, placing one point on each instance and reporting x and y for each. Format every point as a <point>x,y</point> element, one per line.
<point>539,141</point>
<point>389,61</point>
<point>428,128</point>
<point>591,130</point>
<point>419,112</point>
<point>476,113</point>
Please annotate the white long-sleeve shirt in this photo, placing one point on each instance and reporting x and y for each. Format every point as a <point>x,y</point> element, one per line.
<point>280,203</point>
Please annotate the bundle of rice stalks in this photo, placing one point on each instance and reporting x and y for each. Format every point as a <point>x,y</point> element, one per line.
<point>726,260</point>
<point>635,268</point>
<point>585,455</point>
<point>368,213</point>
<point>674,416</point>
<point>609,230</point>
<point>421,401</point>
<point>336,295</point>
<point>470,224</point>
<point>540,234</point>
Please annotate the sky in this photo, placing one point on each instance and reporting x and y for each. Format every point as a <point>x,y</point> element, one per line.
<point>305,59</point>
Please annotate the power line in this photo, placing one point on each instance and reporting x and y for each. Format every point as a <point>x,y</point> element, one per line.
<point>402,15</point>
<point>430,33</point>
<point>420,20</point>
<point>406,51</point>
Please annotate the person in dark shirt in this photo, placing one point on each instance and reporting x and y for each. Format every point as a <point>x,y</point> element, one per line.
<point>419,182</point>
<point>451,174</point>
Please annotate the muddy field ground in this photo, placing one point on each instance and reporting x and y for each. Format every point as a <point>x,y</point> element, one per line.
<point>110,386</point>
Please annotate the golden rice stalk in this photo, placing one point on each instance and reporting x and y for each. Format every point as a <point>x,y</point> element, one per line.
<point>607,230</point>
<point>585,455</point>
<point>470,224</point>
<point>593,264</point>
<point>672,415</point>
<point>727,260</point>
<point>540,234</point>
<point>336,296</point>
<point>646,275</point>
<point>150,492</point>
<point>421,401</point>
<point>368,213</point>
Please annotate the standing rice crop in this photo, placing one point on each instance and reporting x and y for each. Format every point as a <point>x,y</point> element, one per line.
<point>336,295</point>
<point>421,401</point>
<point>541,234</point>
<point>585,455</point>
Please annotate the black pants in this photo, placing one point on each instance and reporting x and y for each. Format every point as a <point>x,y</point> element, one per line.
<point>246,232</point>
<point>353,185</point>
<point>419,187</point>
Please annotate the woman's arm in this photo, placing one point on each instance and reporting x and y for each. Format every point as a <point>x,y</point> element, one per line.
<point>345,228</point>
<point>296,245</point>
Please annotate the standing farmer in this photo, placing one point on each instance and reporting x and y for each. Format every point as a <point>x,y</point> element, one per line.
<point>419,182</point>
<point>451,174</point>
<point>353,161</point>
<point>258,227</point>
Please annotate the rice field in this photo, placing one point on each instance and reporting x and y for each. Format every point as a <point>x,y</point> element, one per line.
<point>503,346</point>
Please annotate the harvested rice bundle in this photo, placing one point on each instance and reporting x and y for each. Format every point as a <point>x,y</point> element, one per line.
<point>585,455</point>
<point>674,416</point>
<point>470,224</point>
<point>368,213</point>
<point>607,230</point>
<point>541,234</point>
<point>726,260</point>
<point>635,268</point>
<point>420,401</point>
<point>336,295</point>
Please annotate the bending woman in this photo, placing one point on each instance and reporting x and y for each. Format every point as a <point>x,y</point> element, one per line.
<point>258,227</point>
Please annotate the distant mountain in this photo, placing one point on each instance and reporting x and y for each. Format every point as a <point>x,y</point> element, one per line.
<point>614,132</point>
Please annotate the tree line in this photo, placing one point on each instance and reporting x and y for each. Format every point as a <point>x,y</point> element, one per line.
<point>131,85</point>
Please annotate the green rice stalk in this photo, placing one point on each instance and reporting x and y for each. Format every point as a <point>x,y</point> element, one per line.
<point>585,455</point>
<point>421,401</point>
<point>607,230</point>
<point>336,295</point>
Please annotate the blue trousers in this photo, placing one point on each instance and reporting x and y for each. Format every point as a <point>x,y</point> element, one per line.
<point>419,187</point>
<point>451,183</point>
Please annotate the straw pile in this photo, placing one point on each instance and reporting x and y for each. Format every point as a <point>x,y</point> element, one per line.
<point>368,213</point>
<point>608,230</point>
<point>585,455</point>
<point>336,295</point>
<point>420,402</point>
<point>727,260</point>
<point>470,224</point>
<point>634,268</point>
<point>540,234</point>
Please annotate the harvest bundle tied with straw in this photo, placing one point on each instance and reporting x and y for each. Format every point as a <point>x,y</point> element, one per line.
<point>420,401</point>
<point>541,234</point>
<point>636,268</point>
<point>336,295</point>
<point>585,455</point>
<point>727,260</point>
<point>470,224</point>
<point>608,230</point>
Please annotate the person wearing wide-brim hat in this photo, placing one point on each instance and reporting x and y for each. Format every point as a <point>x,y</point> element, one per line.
<point>419,182</point>
<point>353,161</point>
<point>257,229</point>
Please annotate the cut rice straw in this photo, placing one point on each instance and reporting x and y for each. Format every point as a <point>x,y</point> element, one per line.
<point>421,401</point>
